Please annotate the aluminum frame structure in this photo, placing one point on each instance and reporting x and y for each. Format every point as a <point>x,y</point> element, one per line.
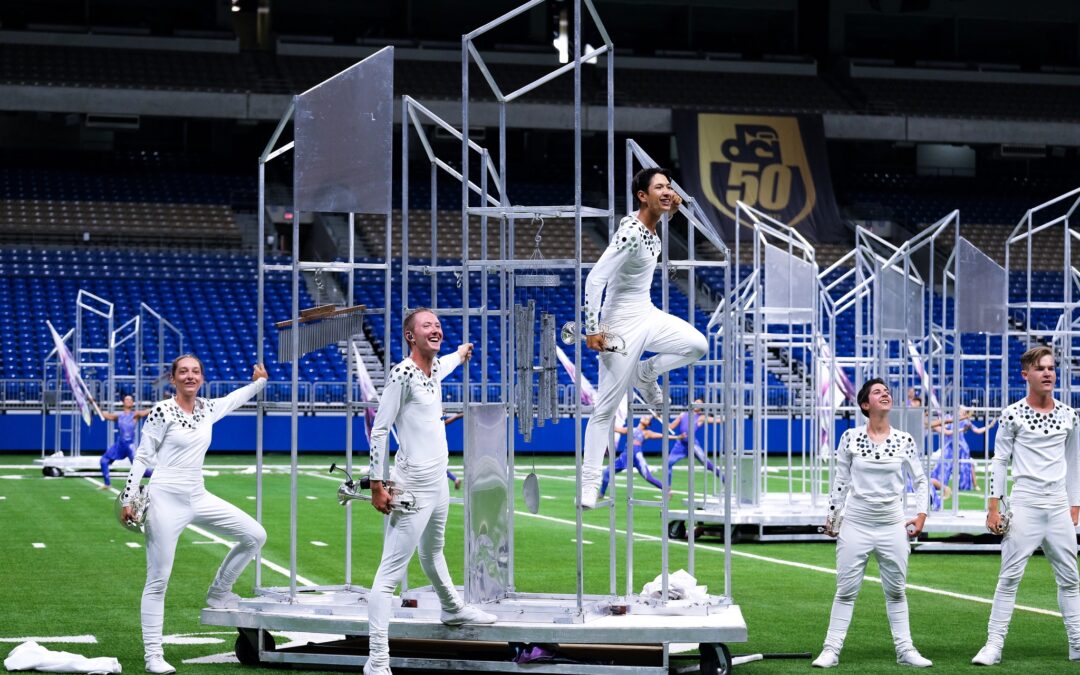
<point>974,329</point>
<point>91,312</point>
<point>524,617</point>
<point>1054,224</point>
<point>774,309</point>
<point>355,404</point>
<point>128,334</point>
<point>910,336</point>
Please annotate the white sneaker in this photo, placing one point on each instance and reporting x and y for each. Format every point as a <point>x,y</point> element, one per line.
<point>372,668</point>
<point>589,495</point>
<point>989,655</point>
<point>1074,653</point>
<point>222,599</point>
<point>467,614</point>
<point>913,658</point>
<point>158,664</point>
<point>646,384</point>
<point>827,659</point>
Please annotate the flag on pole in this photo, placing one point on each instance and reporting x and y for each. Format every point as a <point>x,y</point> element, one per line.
<point>924,376</point>
<point>588,393</point>
<point>367,390</point>
<point>71,373</point>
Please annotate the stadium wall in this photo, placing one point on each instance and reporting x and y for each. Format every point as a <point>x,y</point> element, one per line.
<point>21,432</point>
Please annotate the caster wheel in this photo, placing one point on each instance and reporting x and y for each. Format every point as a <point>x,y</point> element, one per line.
<point>52,472</point>
<point>715,659</point>
<point>247,650</point>
<point>676,529</point>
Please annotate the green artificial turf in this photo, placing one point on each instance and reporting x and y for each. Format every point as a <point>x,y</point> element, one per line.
<point>88,581</point>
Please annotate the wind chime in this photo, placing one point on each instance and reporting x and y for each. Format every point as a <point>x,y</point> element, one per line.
<point>543,405</point>
<point>318,327</point>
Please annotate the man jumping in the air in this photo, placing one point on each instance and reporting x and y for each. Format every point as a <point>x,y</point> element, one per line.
<point>625,270</point>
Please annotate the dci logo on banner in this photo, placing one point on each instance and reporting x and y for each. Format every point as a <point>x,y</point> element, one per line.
<point>760,161</point>
<point>772,163</point>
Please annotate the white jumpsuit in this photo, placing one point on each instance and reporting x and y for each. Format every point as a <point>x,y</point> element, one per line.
<point>626,271</point>
<point>1043,448</point>
<point>869,488</point>
<point>174,443</point>
<point>413,402</point>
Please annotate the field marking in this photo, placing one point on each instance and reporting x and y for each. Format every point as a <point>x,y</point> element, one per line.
<point>68,639</point>
<point>133,544</point>
<point>65,498</point>
<point>787,563</point>
<point>218,540</point>
<point>320,544</point>
<point>38,544</point>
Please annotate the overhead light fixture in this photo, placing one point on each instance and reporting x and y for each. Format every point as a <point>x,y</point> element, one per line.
<point>562,40</point>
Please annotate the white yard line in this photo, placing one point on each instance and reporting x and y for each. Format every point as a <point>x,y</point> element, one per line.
<point>303,581</point>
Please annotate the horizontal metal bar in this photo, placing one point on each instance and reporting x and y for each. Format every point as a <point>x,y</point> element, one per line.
<point>327,266</point>
<point>285,148</point>
<point>554,74</point>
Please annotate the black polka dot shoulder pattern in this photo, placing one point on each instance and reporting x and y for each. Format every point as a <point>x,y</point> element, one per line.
<point>1037,443</point>
<point>632,235</point>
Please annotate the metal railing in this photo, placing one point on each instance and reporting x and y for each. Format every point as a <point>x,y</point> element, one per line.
<point>24,394</point>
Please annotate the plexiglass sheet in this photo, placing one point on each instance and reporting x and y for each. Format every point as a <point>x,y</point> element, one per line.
<point>487,545</point>
<point>982,291</point>
<point>910,420</point>
<point>790,282</point>
<point>901,303</point>
<point>344,131</point>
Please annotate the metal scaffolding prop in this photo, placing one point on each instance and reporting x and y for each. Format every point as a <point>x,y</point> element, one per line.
<point>917,336</point>
<point>95,343</point>
<point>491,411</point>
<point>1042,315</point>
<point>771,322</point>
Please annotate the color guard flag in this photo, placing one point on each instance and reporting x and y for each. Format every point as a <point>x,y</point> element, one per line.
<point>367,390</point>
<point>71,373</point>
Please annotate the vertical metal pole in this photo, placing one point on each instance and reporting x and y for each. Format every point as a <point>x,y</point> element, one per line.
<point>294,422</point>
<point>260,357</point>
<point>350,404</point>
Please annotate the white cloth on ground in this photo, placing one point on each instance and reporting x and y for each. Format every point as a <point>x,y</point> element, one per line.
<point>30,655</point>
<point>681,586</point>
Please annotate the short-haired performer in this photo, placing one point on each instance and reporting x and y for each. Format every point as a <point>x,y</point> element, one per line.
<point>623,276</point>
<point>1039,435</point>
<point>869,488</point>
<point>412,400</point>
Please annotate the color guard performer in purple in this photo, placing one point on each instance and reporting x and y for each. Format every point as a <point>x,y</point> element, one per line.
<point>124,447</point>
<point>641,433</point>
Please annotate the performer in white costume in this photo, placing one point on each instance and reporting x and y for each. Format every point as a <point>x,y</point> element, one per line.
<point>1039,435</point>
<point>412,400</point>
<point>625,271</point>
<point>866,512</point>
<point>174,441</point>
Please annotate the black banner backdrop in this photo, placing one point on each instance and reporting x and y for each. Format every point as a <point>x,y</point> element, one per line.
<point>776,164</point>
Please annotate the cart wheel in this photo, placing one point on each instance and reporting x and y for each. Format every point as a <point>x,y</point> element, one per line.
<point>676,529</point>
<point>51,471</point>
<point>715,659</point>
<point>247,641</point>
